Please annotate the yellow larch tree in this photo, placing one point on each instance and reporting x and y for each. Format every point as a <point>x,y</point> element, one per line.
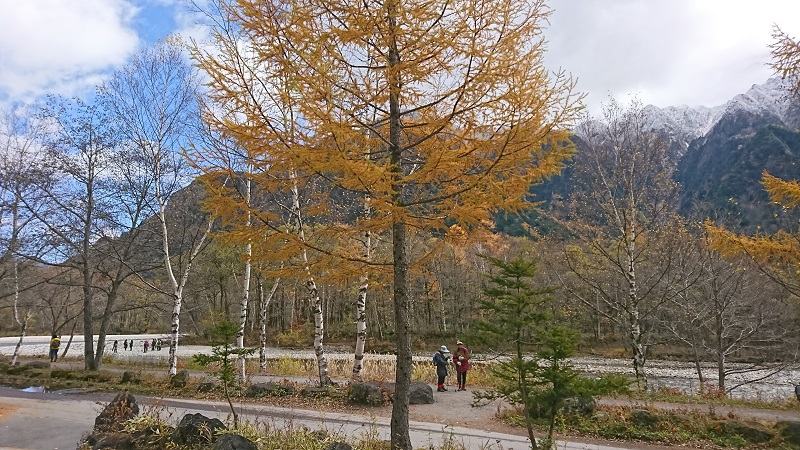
<point>424,116</point>
<point>777,254</point>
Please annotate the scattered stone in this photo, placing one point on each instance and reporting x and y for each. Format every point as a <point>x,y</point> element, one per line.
<point>112,441</point>
<point>114,415</point>
<point>752,431</point>
<point>643,417</point>
<point>790,431</point>
<point>420,393</point>
<point>315,391</point>
<point>263,389</point>
<point>196,429</point>
<point>230,441</point>
<point>338,446</point>
<point>130,376</point>
<point>364,393</point>
<point>207,386</point>
<point>38,365</point>
<point>579,406</point>
<point>180,379</point>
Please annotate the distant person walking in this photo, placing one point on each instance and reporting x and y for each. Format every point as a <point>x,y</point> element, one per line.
<point>153,344</point>
<point>125,345</point>
<point>146,345</point>
<point>440,360</point>
<point>114,347</point>
<point>159,344</point>
<point>461,359</point>
<point>55,344</point>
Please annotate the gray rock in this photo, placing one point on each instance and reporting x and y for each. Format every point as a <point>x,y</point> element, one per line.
<point>363,393</point>
<point>196,429</point>
<point>644,417</point>
<point>315,391</point>
<point>180,379</point>
<point>234,442</point>
<point>420,393</point>
<point>111,441</point>
<point>790,431</point>
<point>579,406</point>
<point>114,415</point>
<point>263,389</point>
<point>130,376</point>
<point>752,431</point>
<point>207,386</point>
<point>338,446</point>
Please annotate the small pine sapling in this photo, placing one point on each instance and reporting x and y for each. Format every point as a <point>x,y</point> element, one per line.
<point>223,354</point>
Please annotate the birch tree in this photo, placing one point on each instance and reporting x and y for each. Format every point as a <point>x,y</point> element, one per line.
<point>623,211</point>
<point>154,100</point>
<point>467,119</point>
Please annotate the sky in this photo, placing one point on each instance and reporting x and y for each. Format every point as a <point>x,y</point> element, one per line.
<point>665,52</point>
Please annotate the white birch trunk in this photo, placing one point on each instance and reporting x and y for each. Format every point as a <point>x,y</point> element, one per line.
<point>313,293</point>
<point>634,318</point>
<point>177,285</point>
<point>243,304</point>
<point>361,315</point>
<point>262,320</point>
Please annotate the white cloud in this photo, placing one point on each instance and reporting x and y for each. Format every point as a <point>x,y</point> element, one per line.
<point>61,46</point>
<point>666,52</point>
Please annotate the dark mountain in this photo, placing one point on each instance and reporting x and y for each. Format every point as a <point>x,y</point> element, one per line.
<point>720,155</point>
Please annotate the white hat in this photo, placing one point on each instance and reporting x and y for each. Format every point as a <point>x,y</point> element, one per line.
<point>443,349</point>
<point>459,343</point>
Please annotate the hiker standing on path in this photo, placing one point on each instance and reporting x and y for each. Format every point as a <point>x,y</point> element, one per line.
<point>114,347</point>
<point>55,344</point>
<point>146,344</point>
<point>461,359</point>
<point>440,360</point>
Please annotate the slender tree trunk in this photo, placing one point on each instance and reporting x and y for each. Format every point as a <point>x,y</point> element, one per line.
<point>634,317</point>
<point>262,320</point>
<point>243,304</point>
<point>71,337</point>
<point>361,314</point>
<point>313,293</point>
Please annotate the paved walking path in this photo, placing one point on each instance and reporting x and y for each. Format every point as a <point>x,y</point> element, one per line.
<point>59,420</point>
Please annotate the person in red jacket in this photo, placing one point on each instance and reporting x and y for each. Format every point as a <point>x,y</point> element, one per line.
<point>461,360</point>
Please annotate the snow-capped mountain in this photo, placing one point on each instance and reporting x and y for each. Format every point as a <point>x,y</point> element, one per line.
<point>682,124</point>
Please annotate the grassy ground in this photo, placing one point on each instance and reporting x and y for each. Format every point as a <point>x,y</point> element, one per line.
<point>634,423</point>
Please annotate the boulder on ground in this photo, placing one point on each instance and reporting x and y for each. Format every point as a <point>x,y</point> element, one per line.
<point>643,417</point>
<point>752,431</point>
<point>263,389</point>
<point>116,413</point>
<point>579,406</point>
<point>111,441</point>
<point>790,431</point>
<point>315,391</point>
<point>180,379</point>
<point>338,446</point>
<point>230,441</point>
<point>196,429</point>
<point>130,376</point>
<point>365,393</point>
<point>207,386</point>
<point>420,393</point>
